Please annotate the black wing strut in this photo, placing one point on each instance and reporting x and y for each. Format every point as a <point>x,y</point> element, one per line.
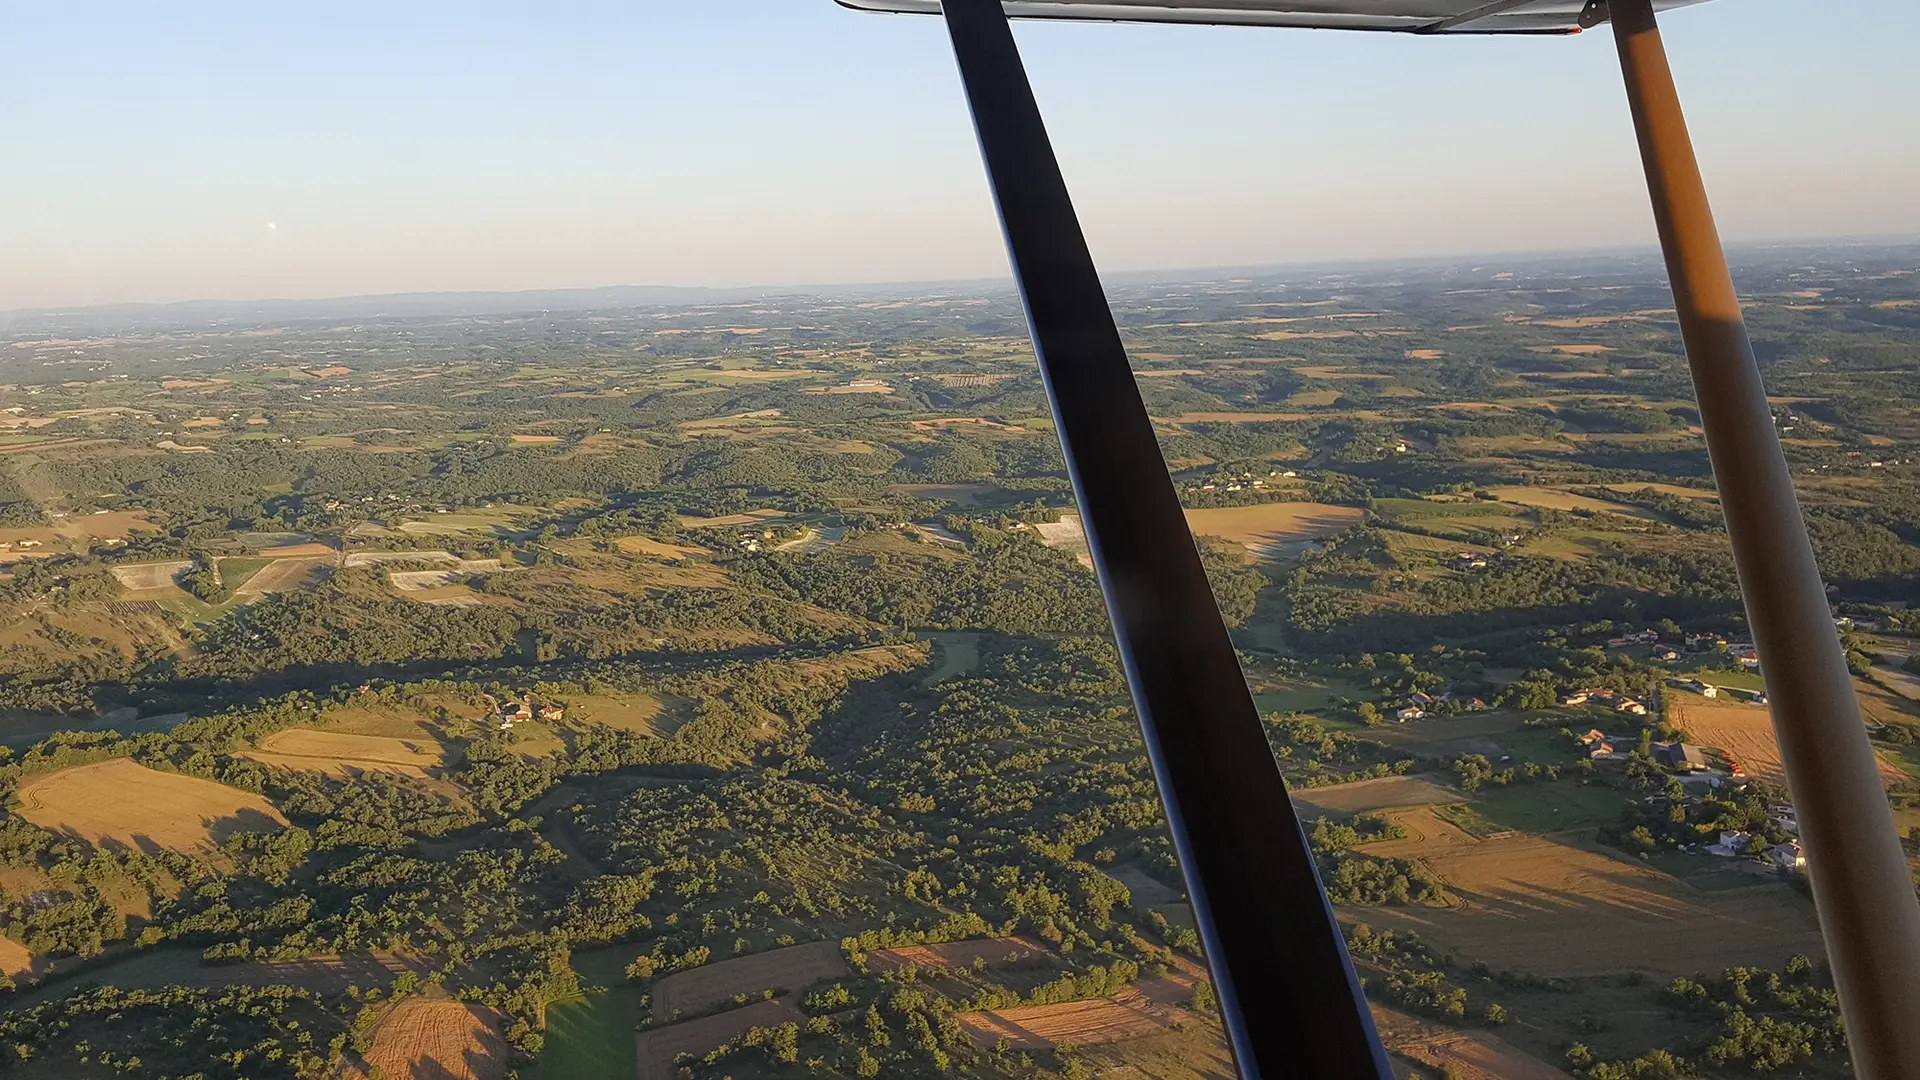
<point>1287,992</point>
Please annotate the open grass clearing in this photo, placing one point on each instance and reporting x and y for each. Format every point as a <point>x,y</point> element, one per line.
<point>1144,890</point>
<point>343,755</point>
<point>1304,694</point>
<point>1372,796</point>
<point>1544,807</point>
<point>954,654</point>
<point>117,804</point>
<point>1557,499</point>
<point>589,1036</point>
<point>1520,899</point>
<point>646,545</point>
<point>1264,528</point>
<point>641,713</point>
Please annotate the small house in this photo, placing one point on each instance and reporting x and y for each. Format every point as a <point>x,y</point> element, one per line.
<point>1422,699</point>
<point>1680,756</point>
<point>552,713</point>
<point>1592,737</point>
<point>1789,856</point>
<point>1628,705</point>
<point>1411,712</point>
<point>1577,697</point>
<point>1731,844</point>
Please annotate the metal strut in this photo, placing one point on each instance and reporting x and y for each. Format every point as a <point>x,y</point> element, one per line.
<point>1868,913</point>
<point>1289,998</point>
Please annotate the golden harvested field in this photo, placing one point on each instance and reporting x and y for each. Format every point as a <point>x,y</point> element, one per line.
<point>341,755</point>
<point>1424,354</point>
<point>1476,1056</point>
<point>657,1048</point>
<point>1556,499</point>
<point>1669,489</point>
<point>120,804</point>
<point>646,545</point>
<point>732,521</point>
<point>533,439</point>
<point>1522,898</point>
<point>1260,528</point>
<point>115,525</point>
<point>1745,732</point>
<point>1367,796</point>
<point>954,954</point>
<point>437,1040</point>
<point>783,970</point>
<point>15,959</point>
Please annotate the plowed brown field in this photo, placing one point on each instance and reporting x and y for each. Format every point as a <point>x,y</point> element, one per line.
<point>1145,1008</point>
<point>781,970</point>
<point>657,1048</point>
<point>1476,1056</point>
<point>954,954</point>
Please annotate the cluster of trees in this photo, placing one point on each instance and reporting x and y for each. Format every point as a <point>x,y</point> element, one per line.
<point>1756,1020</point>
<point>1671,818</point>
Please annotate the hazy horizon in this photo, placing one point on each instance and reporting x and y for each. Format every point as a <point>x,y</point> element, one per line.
<point>227,154</point>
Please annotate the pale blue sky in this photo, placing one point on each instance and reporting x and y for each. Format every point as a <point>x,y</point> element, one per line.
<point>241,150</point>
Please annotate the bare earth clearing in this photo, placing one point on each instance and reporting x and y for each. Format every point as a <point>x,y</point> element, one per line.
<point>143,576</point>
<point>782,970</point>
<point>120,804</point>
<point>341,755</point>
<point>287,575</point>
<point>437,1040</point>
<point>1068,535</point>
